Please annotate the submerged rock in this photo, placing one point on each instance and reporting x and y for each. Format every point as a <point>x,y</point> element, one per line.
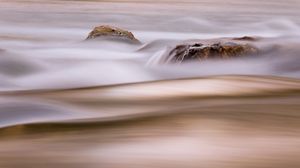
<point>106,31</point>
<point>246,38</point>
<point>211,49</point>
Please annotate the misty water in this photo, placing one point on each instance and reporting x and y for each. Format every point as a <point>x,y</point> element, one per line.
<point>67,102</point>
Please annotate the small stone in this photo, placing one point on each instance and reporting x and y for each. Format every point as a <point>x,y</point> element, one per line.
<point>112,32</point>
<point>246,38</point>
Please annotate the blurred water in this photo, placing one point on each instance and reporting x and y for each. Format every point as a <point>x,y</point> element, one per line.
<point>65,102</point>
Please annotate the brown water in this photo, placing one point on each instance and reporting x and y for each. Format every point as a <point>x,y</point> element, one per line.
<point>66,103</point>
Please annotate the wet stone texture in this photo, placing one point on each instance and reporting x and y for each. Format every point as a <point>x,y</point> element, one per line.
<point>116,33</point>
<point>222,49</point>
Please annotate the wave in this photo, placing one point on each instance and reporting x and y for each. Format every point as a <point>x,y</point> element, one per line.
<point>90,103</point>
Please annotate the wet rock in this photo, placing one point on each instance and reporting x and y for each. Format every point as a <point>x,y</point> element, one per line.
<point>210,49</point>
<point>111,32</point>
<point>247,38</point>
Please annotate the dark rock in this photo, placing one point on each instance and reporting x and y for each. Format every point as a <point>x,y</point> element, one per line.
<point>106,31</point>
<point>247,38</point>
<point>210,49</point>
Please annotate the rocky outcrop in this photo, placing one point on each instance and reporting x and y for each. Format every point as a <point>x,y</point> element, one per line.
<point>212,49</point>
<point>111,32</point>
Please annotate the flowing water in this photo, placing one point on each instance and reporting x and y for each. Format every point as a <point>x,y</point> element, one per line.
<point>65,102</point>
